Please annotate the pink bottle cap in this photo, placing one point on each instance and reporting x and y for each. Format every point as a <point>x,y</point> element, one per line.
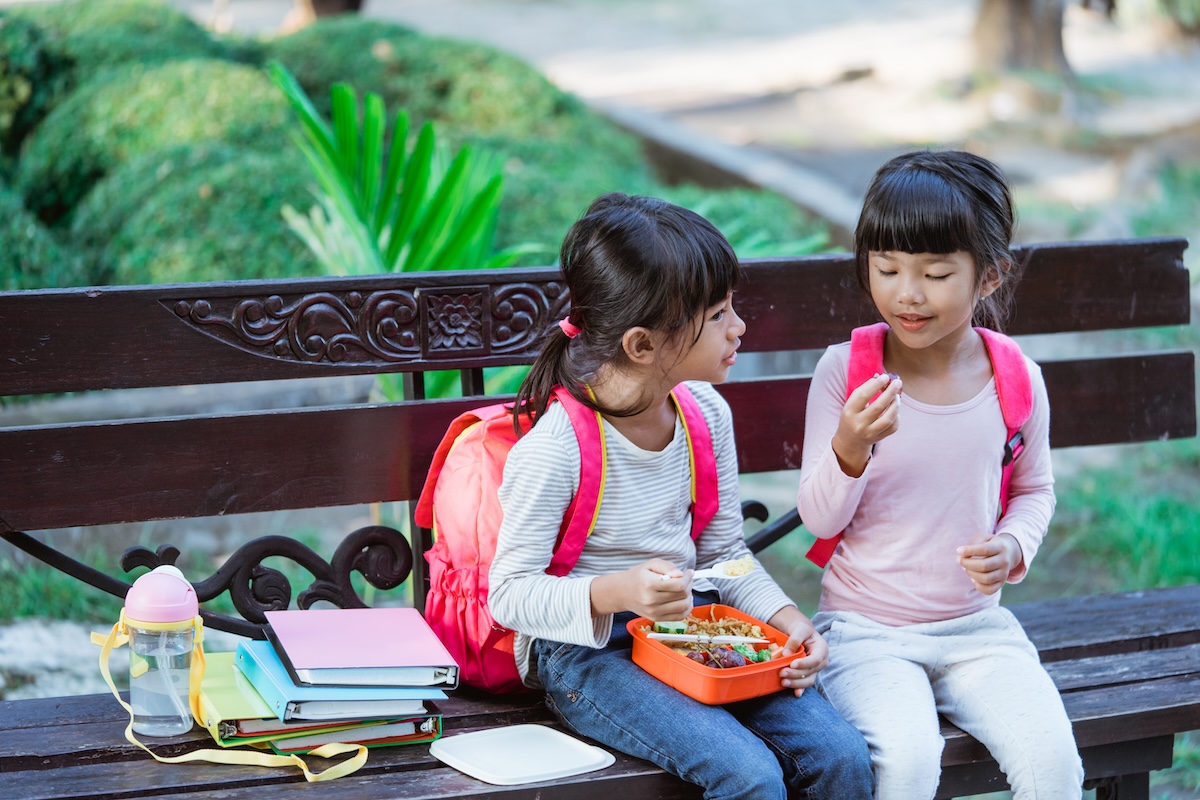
<point>161,595</point>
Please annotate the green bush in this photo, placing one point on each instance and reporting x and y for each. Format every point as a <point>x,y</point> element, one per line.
<point>462,86</point>
<point>216,214</point>
<point>32,77</point>
<point>344,48</point>
<point>95,34</point>
<point>558,154</point>
<point>30,257</point>
<point>149,156</point>
<point>136,109</point>
<point>118,197</point>
<point>756,223</point>
<point>549,183</point>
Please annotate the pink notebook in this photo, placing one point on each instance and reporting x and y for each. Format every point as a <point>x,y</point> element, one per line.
<point>360,647</point>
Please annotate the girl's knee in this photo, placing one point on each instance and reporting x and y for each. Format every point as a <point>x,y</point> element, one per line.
<point>1052,772</point>
<point>907,767</point>
<point>746,776</point>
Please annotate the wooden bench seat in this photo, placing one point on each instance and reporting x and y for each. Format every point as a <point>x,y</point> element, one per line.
<point>1128,665</point>
<point>1126,705</point>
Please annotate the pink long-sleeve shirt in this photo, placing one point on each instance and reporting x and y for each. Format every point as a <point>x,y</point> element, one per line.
<point>928,488</point>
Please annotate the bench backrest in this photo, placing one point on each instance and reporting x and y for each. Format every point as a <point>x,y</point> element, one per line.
<point>110,471</point>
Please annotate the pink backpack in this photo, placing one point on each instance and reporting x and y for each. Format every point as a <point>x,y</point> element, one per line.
<point>1013,389</point>
<point>459,502</point>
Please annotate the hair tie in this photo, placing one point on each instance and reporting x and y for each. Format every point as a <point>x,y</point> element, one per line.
<point>570,330</point>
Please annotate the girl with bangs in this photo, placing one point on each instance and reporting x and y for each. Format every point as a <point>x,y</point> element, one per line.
<point>902,479</point>
<point>651,288</point>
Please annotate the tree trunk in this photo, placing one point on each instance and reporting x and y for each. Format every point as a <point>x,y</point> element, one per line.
<point>328,8</point>
<point>1020,35</point>
<point>305,12</point>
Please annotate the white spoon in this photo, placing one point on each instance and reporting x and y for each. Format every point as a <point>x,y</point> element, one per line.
<point>741,567</point>
<point>705,639</point>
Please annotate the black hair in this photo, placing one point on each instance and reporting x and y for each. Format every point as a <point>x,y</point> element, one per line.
<point>629,261</point>
<point>943,202</point>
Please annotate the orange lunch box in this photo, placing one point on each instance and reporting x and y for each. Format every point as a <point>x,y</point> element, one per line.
<point>706,684</point>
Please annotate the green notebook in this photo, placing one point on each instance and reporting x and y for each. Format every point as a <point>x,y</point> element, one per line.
<point>235,714</point>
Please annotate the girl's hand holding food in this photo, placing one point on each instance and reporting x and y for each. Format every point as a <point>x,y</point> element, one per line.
<point>644,591</point>
<point>867,419</point>
<point>989,560</point>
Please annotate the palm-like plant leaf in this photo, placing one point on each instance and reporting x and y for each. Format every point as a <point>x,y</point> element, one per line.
<point>390,191</point>
<point>417,210</point>
<point>417,177</point>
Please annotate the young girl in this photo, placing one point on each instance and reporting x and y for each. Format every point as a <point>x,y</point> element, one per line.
<point>910,600</point>
<point>651,306</point>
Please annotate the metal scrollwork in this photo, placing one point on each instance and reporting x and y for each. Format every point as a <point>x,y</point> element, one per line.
<point>381,554</point>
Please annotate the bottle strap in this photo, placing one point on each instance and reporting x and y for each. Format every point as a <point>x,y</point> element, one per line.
<point>119,635</point>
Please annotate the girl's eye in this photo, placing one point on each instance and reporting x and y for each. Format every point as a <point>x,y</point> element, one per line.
<point>885,272</point>
<point>937,277</point>
<point>717,317</point>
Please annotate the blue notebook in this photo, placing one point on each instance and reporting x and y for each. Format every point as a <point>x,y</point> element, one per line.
<point>260,664</point>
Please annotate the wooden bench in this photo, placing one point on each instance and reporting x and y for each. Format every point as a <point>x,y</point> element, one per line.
<point>1128,665</point>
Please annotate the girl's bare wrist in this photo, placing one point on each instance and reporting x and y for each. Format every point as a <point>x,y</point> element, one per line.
<point>852,462</point>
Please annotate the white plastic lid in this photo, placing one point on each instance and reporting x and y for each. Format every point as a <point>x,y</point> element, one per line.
<point>519,754</point>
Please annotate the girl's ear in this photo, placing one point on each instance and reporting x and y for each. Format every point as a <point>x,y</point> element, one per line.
<point>992,279</point>
<point>639,345</point>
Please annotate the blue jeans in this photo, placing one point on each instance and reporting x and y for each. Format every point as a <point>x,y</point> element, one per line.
<point>778,746</point>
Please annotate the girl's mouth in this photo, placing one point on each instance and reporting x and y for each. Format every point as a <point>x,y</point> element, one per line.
<point>912,324</point>
<point>730,359</point>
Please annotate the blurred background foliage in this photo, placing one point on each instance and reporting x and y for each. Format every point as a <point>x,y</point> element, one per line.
<point>136,146</point>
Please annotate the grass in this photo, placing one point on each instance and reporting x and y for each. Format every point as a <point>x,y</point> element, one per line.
<point>36,590</point>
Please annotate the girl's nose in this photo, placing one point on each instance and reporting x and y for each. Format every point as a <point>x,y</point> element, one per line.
<point>738,328</point>
<point>910,292</point>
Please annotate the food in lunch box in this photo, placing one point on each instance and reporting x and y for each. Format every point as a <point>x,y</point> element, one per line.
<point>722,656</point>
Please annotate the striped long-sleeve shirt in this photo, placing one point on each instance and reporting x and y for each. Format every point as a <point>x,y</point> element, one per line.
<point>644,514</point>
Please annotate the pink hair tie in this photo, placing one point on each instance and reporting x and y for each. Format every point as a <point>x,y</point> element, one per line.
<point>570,330</point>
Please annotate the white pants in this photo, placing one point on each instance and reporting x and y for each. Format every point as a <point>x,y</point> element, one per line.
<point>980,671</point>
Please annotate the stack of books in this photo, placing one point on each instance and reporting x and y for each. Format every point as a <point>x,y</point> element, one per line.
<point>364,675</point>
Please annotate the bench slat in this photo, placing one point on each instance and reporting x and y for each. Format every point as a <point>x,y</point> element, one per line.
<point>381,779</point>
<point>212,465</point>
<point>121,337</point>
<point>1107,624</point>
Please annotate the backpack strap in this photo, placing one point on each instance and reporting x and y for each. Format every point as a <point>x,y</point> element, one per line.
<point>1013,389</point>
<point>581,514</point>
<point>866,361</point>
<point>701,457</point>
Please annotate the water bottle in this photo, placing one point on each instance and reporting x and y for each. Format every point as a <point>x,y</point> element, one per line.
<point>160,612</point>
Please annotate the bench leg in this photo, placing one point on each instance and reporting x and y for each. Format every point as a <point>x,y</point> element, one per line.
<point>1122,787</point>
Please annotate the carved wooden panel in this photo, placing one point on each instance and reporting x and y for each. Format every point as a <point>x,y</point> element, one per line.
<point>384,326</point>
